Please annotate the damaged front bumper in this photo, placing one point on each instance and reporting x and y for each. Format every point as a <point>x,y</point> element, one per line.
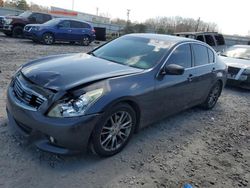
<point>56,135</point>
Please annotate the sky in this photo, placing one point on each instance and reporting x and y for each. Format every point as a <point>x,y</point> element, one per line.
<point>231,16</point>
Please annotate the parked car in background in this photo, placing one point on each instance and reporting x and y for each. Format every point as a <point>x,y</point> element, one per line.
<point>1,22</point>
<point>238,60</point>
<point>101,98</point>
<point>213,39</point>
<point>61,29</point>
<point>13,25</point>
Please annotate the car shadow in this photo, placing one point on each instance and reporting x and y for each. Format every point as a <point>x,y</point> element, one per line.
<point>237,88</point>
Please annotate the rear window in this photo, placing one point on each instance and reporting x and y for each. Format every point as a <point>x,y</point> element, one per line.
<point>76,24</point>
<point>200,55</point>
<point>210,40</point>
<point>219,39</point>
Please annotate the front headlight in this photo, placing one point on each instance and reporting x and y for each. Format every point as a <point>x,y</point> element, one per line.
<point>8,21</point>
<point>246,71</point>
<point>36,28</point>
<point>76,107</point>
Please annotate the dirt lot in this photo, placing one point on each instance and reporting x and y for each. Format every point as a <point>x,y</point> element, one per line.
<point>206,148</point>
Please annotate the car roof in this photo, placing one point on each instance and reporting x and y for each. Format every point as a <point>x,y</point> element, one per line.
<point>170,38</point>
<point>194,33</point>
<point>242,46</point>
<point>72,19</point>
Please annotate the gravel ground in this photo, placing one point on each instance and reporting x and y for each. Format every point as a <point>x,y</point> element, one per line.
<point>205,148</point>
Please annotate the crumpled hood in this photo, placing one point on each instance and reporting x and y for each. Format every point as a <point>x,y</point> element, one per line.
<point>234,62</point>
<point>63,72</point>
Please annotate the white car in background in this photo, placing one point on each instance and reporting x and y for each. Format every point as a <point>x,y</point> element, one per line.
<point>237,59</point>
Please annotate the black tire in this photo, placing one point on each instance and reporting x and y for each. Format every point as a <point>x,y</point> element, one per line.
<point>213,96</point>
<point>48,38</point>
<point>8,34</point>
<point>114,130</point>
<point>17,32</point>
<point>85,40</point>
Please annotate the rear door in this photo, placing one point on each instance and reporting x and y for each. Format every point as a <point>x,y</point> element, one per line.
<point>203,72</point>
<point>79,29</point>
<point>174,92</point>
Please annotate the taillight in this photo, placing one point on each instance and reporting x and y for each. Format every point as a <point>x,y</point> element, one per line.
<point>93,30</point>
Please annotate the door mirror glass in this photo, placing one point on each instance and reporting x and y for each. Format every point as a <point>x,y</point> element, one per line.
<point>173,69</point>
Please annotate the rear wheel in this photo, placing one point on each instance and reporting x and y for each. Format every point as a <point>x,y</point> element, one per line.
<point>114,130</point>
<point>213,96</point>
<point>48,38</point>
<point>85,40</point>
<point>17,32</point>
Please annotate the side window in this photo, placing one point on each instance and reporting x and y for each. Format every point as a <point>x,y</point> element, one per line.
<point>200,38</point>
<point>200,55</point>
<point>38,17</point>
<point>210,55</point>
<point>65,24</point>
<point>181,56</point>
<point>210,40</point>
<point>75,24</point>
<point>46,18</point>
<point>219,39</point>
<point>85,25</point>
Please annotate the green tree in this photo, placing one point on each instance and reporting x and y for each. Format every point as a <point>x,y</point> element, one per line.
<point>1,3</point>
<point>22,4</point>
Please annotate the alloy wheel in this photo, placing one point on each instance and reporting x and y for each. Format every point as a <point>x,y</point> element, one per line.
<point>116,131</point>
<point>214,95</point>
<point>48,39</point>
<point>85,41</point>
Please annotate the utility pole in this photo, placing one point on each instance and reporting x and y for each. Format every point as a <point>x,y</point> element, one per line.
<point>128,12</point>
<point>198,23</point>
<point>73,2</point>
<point>97,10</point>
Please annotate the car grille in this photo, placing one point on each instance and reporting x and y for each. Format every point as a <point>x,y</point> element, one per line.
<point>25,96</point>
<point>233,70</point>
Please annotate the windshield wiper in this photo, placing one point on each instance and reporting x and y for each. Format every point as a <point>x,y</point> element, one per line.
<point>242,58</point>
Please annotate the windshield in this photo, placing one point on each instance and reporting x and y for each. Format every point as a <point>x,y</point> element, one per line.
<point>237,52</point>
<point>52,22</point>
<point>133,51</point>
<point>25,14</point>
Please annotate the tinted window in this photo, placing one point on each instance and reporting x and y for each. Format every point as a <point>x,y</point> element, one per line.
<point>75,24</point>
<point>181,56</point>
<point>210,40</point>
<point>46,17</point>
<point>200,55</point>
<point>210,55</point>
<point>219,39</point>
<point>38,17</point>
<point>200,38</point>
<point>65,24</point>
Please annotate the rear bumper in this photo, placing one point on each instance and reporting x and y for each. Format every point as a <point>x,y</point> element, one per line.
<point>56,135</point>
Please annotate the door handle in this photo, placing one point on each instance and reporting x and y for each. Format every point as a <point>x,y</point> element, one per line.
<point>190,77</point>
<point>69,30</point>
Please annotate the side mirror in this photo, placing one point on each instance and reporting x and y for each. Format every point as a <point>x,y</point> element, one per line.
<point>173,69</point>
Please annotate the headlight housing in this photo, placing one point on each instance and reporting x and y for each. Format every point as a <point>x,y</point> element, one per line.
<point>76,107</point>
<point>36,28</point>
<point>246,71</point>
<point>8,21</point>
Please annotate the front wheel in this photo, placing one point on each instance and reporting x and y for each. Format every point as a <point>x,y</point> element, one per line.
<point>213,96</point>
<point>48,38</point>
<point>114,130</point>
<point>17,32</point>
